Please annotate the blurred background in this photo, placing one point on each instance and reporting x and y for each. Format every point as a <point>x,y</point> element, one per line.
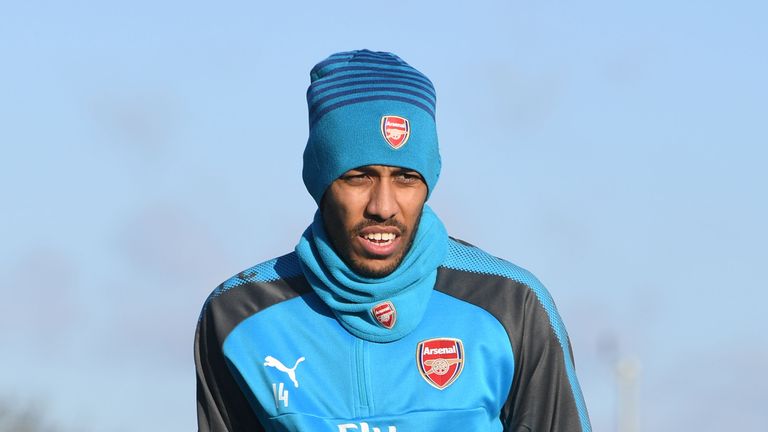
<point>149,150</point>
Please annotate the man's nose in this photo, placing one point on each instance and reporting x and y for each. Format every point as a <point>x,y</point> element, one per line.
<point>382,203</point>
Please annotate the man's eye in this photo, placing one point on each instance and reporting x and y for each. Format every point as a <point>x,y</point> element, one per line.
<point>355,178</point>
<point>407,178</point>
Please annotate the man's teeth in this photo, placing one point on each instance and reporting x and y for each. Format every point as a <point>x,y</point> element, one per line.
<point>380,237</point>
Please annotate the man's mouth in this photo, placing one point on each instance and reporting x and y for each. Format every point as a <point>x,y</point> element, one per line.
<point>378,241</point>
<point>379,238</point>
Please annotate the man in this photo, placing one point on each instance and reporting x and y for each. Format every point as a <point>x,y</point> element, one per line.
<point>378,321</point>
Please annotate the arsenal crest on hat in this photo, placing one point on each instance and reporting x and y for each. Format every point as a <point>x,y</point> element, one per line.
<point>396,130</point>
<point>440,361</point>
<point>385,314</point>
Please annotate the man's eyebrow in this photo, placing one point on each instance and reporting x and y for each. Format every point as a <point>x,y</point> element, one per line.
<point>353,172</point>
<point>406,171</point>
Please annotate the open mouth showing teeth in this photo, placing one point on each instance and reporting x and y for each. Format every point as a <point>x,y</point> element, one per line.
<point>380,238</point>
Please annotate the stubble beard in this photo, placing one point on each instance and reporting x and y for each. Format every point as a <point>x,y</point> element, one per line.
<point>364,269</point>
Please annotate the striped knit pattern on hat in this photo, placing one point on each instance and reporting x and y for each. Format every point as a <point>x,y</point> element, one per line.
<point>361,76</point>
<point>351,98</point>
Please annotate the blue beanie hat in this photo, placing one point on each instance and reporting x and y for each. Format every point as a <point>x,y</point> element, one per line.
<point>368,108</point>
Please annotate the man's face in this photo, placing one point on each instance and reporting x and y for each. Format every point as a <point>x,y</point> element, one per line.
<point>371,214</point>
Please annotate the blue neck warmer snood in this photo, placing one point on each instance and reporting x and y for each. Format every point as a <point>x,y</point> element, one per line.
<point>351,297</point>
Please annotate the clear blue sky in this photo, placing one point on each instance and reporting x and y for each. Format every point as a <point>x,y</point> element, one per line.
<point>617,150</point>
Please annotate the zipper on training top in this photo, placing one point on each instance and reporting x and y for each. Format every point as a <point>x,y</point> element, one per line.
<point>361,360</point>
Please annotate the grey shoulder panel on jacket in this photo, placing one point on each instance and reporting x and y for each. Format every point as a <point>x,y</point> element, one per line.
<point>253,290</point>
<point>515,297</point>
<point>221,403</point>
<point>465,258</point>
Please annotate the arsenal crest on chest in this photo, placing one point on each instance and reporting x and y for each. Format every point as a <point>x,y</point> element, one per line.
<point>440,361</point>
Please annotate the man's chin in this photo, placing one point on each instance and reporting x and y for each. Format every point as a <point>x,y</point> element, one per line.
<point>376,268</point>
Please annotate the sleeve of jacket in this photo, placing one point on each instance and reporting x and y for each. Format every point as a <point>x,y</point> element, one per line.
<point>545,394</point>
<point>221,405</point>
